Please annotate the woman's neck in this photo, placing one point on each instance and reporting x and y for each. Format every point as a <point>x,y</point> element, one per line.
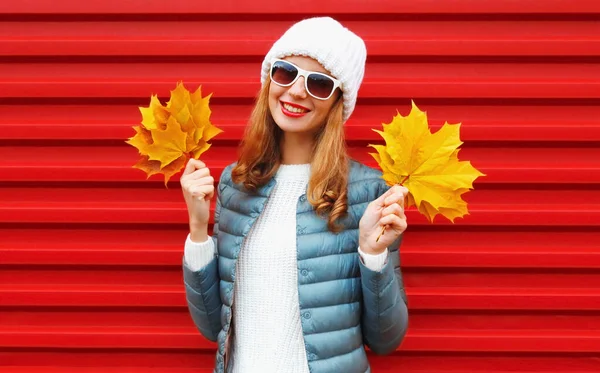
<point>296,148</point>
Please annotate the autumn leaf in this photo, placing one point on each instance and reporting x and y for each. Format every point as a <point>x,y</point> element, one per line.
<point>426,164</point>
<point>154,115</point>
<point>170,135</point>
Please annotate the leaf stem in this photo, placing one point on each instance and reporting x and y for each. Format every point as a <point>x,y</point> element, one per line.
<point>403,181</point>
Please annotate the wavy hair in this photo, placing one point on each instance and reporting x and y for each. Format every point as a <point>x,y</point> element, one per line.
<point>260,157</point>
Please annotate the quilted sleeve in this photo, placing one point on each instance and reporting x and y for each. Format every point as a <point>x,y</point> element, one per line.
<point>202,290</point>
<point>385,307</point>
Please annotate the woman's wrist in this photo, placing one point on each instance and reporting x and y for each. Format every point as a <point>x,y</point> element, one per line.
<point>367,246</point>
<point>367,249</point>
<point>198,233</point>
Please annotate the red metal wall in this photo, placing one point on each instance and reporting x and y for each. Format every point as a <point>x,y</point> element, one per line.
<point>90,251</point>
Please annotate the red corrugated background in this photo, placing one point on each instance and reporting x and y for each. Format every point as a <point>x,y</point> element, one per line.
<point>90,251</point>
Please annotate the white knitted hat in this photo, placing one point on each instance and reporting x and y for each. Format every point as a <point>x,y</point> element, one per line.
<point>339,50</point>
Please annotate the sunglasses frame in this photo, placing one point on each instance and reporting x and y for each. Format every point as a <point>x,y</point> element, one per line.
<point>305,74</point>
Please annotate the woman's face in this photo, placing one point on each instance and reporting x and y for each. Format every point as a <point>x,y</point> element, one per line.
<point>292,108</point>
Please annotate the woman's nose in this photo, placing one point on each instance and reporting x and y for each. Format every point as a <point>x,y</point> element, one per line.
<point>297,89</point>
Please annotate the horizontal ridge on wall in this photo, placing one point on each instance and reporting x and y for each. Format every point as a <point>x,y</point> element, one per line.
<point>513,123</point>
<point>237,39</point>
<point>229,7</point>
<point>385,80</point>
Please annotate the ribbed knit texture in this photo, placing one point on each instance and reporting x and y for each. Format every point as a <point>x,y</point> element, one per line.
<point>267,282</point>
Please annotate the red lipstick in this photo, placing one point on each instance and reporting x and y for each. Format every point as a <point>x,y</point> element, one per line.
<point>291,113</point>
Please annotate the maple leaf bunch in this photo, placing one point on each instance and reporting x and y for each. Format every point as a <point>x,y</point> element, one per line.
<point>170,135</point>
<point>426,164</point>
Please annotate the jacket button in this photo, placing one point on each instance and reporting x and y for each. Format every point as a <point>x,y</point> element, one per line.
<point>306,315</point>
<point>304,272</point>
<point>302,198</point>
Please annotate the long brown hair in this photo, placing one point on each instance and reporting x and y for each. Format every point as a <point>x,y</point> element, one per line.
<point>260,157</point>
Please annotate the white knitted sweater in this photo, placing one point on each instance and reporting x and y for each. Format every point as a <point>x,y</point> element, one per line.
<point>267,282</point>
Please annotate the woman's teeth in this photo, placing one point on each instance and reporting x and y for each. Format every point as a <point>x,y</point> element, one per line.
<point>293,109</point>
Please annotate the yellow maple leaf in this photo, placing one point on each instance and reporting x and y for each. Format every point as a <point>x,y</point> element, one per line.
<point>154,115</point>
<point>170,135</point>
<point>426,164</point>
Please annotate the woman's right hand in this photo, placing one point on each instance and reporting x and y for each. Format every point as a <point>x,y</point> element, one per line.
<point>198,188</point>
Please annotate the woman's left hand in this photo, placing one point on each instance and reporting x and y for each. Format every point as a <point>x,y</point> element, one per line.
<point>387,210</point>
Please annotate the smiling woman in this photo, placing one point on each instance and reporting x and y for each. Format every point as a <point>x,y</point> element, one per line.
<point>91,250</point>
<point>293,279</point>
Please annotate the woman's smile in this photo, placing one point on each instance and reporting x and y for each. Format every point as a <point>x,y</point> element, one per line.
<point>293,110</point>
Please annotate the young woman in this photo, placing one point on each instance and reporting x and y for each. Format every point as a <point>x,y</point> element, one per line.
<point>293,278</point>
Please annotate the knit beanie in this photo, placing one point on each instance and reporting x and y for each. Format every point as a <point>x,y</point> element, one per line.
<point>337,49</point>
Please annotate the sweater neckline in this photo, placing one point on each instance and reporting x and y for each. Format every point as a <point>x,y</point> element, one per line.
<point>293,172</point>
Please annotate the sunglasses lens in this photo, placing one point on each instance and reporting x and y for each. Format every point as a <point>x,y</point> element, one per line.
<point>320,85</point>
<point>283,73</point>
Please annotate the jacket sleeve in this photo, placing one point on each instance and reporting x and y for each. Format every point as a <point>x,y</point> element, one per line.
<point>385,308</point>
<point>202,290</point>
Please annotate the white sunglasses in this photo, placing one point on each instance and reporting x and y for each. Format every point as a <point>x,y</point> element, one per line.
<point>319,85</point>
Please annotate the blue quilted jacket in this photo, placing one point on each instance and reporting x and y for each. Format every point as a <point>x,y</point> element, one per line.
<point>343,304</point>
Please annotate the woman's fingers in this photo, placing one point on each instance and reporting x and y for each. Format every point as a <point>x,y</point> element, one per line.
<point>193,165</point>
<point>394,215</point>
<point>207,180</point>
<point>190,185</point>
<point>395,208</point>
<point>394,221</point>
<point>380,201</point>
<point>397,195</point>
<point>202,191</point>
<point>195,174</point>
<point>198,174</point>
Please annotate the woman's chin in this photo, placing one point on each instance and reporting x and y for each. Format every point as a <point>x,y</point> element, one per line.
<point>291,124</point>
